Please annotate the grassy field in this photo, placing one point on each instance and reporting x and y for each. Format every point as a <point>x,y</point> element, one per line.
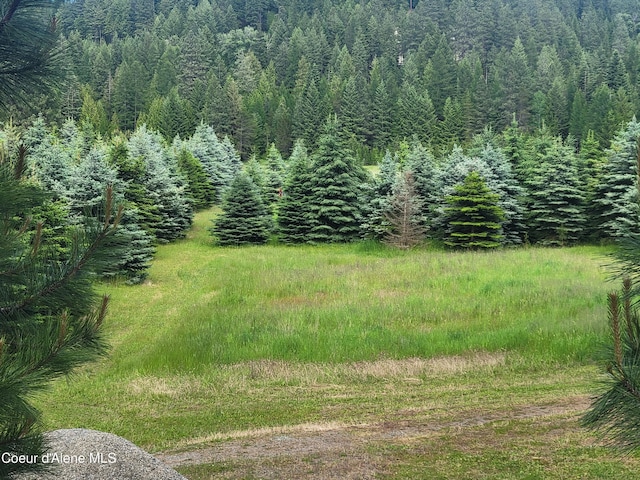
<point>386,364</point>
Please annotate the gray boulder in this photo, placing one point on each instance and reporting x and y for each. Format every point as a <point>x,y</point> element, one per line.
<point>81,454</point>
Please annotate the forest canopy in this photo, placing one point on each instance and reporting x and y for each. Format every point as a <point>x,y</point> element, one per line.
<point>271,71</point>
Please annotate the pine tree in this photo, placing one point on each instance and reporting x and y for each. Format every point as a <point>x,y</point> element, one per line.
<point>199,187</point>
<point>556,199</point>
<point>416,114</point>
<point>30,62</point>
<point>450,130</point>
<point>503,182</point>
<point>449,176</point>
<point>50,319</point>
<point>614,413</point>
<point>353,110</point>
<point>422,165</point>
<point>219,160</point>
<point>404,214</point>
<point>294,210</point>
<point>473,218</point>
<point>616,197</point>
<point>591,161</point>
<point>244,220</point>
<point>275,172</point>
<point>164,185</point>
<point>131,248</point>
<point>376,224</point>
<point>335,189</point>
<point>309,113</point>
<point>132,171</point>
<point>256,172</point>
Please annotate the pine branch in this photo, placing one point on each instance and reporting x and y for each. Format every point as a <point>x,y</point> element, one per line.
<point>78,265</point>
<point>9,15</point>
<point>616,412</point>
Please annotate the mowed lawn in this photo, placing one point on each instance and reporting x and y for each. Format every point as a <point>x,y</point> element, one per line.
<point>226,340</point>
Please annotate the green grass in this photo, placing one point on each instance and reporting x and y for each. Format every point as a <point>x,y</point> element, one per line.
<point>227,340</point>
<point>205,306</point>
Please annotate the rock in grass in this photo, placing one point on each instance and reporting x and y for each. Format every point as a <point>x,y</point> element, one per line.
<point>81,454</point>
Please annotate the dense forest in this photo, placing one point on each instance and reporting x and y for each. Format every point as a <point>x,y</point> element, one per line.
<point>267,71</point>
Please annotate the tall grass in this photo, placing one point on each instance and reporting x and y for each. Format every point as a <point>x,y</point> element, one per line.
<point>204,305</point>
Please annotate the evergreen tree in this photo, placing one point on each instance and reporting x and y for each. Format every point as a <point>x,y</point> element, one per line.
<point>129,92</point>
<point>85,196</point>
<point>294,210</point>
<point>503,182</point>
<point>449,176</point>
<point>616,197</point>
<point>353,110</point>
<point>556,199</point>
<point>376,224</point>
<point>441,76</point>
<point>416,114</point>
<point>515,80</point>
<point>244,220</point>
<point>450,130</point>
<point>309,113</point>
<point>132,171</point>
<point>199,188</point>
<point>219,161</point>
<point>30,63</point>
<point>50,319</point>
<point>614,412</point>
<point>274,176</point>
<point>381,116</point>
<point>256,172</point>
<point>473,218</point>
<point>163,183</point>
<point>422,165</point>
<point>514,144</point>
<point>591,161</point>
<point>335,190</point>
<point>404,214</point>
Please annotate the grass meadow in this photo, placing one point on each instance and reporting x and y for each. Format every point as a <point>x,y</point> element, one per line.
<point>454,349</point>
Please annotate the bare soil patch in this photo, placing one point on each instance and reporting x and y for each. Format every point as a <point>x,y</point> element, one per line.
<point>350,451</point>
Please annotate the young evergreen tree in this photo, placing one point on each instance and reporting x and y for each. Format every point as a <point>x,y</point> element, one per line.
<point>616,197</point>
<point>217,158</point>
<point>244,219</point>
<point>294,220</point>
<point>199,188</point>
<point>256,172</point>
<point>376,225</point>
<point>131,247</point>
<point>335,189</point>
<point>274,176</point>
<point>163,183</point>
<point>504,183</point>
<point>404,214</point>
<point>591,161</point>
<point>131,171</point>
<point>556,199</point>
<point>422,164</point>
<point>473,217</point>
<point>456,167</point>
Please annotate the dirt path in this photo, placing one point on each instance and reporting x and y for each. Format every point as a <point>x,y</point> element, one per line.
<point>327,451</point>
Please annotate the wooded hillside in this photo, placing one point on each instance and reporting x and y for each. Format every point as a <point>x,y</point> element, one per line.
<point>264,71</point>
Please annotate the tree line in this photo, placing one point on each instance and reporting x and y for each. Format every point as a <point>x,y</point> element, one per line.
<point>266,71</point>
<point>502,189</point>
